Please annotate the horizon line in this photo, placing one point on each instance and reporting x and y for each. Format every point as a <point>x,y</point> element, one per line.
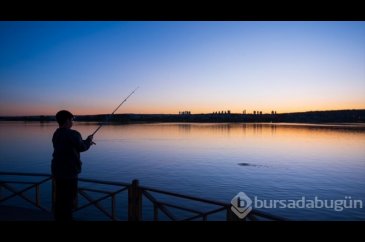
<point>333,110</point>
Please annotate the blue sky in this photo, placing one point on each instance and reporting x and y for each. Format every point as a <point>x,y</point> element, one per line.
<point>90,67</point>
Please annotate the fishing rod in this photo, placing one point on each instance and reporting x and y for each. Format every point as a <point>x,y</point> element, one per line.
<point>108,117</point>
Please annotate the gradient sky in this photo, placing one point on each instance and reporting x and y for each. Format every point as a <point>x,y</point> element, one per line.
<point>90,67</point>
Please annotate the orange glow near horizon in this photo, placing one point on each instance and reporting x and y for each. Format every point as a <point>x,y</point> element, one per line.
<point>44,110</point>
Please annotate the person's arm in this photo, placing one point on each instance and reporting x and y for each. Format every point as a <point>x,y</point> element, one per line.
<point>80,144</point>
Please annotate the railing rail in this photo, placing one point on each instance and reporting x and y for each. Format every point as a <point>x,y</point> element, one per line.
<point>14,192</point>
<point>136,194</point>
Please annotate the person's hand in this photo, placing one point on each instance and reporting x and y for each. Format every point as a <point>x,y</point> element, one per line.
<point>90,138</point>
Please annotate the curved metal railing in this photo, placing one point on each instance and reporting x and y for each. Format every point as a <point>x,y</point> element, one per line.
<point>174,206</point>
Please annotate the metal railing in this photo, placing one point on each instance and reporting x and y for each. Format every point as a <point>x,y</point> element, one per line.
<point>9,185</point>
<point>119,188</point>
<point>173,206</point>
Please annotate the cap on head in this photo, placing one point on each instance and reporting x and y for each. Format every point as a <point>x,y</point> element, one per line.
<point>62,116</point>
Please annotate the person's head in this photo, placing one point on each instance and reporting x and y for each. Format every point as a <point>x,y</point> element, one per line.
<point>64,118</point>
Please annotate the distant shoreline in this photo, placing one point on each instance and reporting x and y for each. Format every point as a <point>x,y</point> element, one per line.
<point>335,116</point>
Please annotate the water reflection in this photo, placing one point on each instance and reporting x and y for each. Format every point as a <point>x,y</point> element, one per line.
<point>212,130</point>
<point>184,128</point>
<point>211,160</point>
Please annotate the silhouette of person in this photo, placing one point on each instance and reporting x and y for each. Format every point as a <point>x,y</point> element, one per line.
<point>66,165</point>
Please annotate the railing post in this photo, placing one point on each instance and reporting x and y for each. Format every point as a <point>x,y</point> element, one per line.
<point>230,216</point>
<point>114,210</point>
<point>37,198</point>
<point>155,212</point>
<point>134,202</point>
<point>53,195</point>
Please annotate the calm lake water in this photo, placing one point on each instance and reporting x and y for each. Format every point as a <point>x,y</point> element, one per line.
<point>278,161</point>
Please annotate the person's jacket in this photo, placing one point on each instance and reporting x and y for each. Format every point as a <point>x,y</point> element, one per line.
<point>67,144</point>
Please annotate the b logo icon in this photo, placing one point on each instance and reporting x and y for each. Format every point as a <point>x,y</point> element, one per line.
<point>241,205</point>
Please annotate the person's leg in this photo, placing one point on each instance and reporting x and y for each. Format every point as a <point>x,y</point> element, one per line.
<point>60,200</point>
<point>57,205</point>
<point>66,191</point>
<point>73,189</point>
